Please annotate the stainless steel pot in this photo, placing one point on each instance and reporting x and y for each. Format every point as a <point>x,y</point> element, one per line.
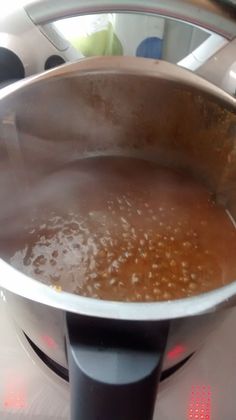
<point>102,106</point>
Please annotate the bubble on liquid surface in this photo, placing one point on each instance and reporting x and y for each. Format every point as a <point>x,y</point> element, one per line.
<point>131,237</point>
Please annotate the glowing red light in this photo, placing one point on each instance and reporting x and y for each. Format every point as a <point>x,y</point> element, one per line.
<point>49,341</point>
<point>176,352</point>
<point>200,403</point>
<point>15,402</point>
<point>15,394</point>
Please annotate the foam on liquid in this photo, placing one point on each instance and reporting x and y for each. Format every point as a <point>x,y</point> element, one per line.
<point>125,229</point>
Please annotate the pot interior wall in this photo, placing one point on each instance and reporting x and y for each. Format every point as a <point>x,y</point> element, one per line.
<point>78,114</point>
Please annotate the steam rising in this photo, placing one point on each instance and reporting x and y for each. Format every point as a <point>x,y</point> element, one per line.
<point>117,228</point>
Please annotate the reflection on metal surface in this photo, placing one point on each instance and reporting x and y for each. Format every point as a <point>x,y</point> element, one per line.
<point>209,14</point>
<point>232,74</point>
<point>181,28</point>
<point>137,34</point>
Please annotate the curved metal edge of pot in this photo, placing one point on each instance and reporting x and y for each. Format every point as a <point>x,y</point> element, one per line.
<point>18,283</point>
<point>128,65</point>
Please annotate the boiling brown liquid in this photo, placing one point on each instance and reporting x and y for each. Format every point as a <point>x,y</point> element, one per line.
<point>125,229</point>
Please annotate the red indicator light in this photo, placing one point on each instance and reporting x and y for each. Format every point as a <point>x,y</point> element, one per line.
<point>199,407</point>
<point>176,352</point>
<point>49,341</point>
<point>15,401</point>
<point>15,394</point>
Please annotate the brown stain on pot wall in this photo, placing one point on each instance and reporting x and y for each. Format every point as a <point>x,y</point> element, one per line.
<point>126,112</point>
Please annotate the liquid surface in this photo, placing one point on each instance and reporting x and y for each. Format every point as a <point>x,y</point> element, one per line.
<point>127,230</point>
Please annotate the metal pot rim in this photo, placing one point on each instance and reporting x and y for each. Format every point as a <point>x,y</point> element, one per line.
<point>127,65</point>
<point>22,285</point>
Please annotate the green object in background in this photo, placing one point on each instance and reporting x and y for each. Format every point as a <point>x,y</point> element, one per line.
<point>103,42</point>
